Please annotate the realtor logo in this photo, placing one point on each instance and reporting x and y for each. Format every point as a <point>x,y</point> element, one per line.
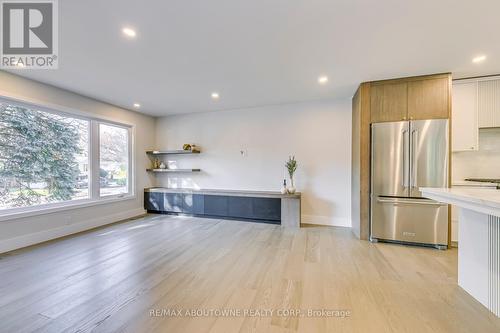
<point>29,34</point>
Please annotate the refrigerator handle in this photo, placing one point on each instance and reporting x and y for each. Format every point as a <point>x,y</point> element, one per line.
<point>406,156</point>
<point>399,201</point>
<point>414,163</point>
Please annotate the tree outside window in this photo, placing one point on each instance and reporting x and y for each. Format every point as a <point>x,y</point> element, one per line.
<point>43,157</point>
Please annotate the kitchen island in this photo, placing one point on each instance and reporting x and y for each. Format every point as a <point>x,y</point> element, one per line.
<point>478,240</point>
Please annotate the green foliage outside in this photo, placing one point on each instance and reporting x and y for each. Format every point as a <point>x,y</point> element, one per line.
<point>37,147</point>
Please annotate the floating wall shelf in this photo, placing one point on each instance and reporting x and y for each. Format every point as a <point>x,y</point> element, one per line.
<point>171,152</point>
<point>173,170</point>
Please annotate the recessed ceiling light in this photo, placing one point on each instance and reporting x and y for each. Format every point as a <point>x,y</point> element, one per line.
<point>137,105</point>
<point>215,95</point>
<point>323,79</point>
<point>479,59</point>
<point>129,32</point>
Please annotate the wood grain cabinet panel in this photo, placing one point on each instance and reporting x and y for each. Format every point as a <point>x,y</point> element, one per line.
<point>389,102</point>
<point>360,191</point>
<point>429,99</point>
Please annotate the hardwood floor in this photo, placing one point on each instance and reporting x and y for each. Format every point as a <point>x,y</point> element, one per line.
<point>113,279</point>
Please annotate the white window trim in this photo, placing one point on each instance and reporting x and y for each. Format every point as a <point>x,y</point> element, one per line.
<point>94,197</point>
<point>95,165</point>
<point>17,213</point>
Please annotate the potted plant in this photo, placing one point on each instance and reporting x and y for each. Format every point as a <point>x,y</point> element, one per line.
<point>291,166</point>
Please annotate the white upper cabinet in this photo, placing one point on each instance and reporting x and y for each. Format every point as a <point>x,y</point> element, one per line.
<point>464,119</point>
<point>489,103</point>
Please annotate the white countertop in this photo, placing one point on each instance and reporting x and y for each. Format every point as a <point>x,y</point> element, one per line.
<point>238,193</point>
<point>473,184</point>
<point>483,200</point>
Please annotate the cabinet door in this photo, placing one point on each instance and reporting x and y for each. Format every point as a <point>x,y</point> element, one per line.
<point>216,205</point>
<point>429,99</point>
<point>389,102</point>
<point>153,201</point>
<point>267,209</point>
<point>240,207</point>
<point>198,204</point>
<point>489,103</point>
<point>172,202</point>
<point>464,120</point>
<point>187,203</point>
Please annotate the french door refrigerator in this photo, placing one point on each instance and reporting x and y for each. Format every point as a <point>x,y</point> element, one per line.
<point>407,155</point>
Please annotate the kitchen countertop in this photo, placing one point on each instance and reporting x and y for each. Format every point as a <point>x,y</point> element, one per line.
<point>474,184</point>
<point>236,193</point>
<point>483,200</point>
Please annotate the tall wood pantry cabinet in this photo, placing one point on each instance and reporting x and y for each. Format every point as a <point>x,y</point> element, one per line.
<point>411,98</point>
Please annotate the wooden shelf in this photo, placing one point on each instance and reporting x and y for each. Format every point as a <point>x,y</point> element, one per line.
<point>173,170</point>
<point>171,152</point>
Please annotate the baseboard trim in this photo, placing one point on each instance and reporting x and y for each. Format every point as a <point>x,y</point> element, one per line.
<point>46,235</point>
<point>326,220</point>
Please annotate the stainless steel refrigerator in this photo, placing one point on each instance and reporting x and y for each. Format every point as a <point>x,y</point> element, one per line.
<point>407,155</point>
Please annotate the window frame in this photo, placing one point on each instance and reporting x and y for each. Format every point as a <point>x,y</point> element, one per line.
<point>93,151</point>
<point>97,165</point>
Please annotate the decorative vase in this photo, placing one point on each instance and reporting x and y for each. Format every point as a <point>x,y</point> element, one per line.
<point>292,188</point>
<point>156,163</point>
<point>283,189</point>
<point>162,165</point>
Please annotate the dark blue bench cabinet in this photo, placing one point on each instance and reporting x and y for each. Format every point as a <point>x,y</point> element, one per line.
<point>258,206</point>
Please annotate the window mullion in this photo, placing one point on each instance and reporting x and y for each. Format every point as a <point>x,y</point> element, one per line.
<point>94,160</point>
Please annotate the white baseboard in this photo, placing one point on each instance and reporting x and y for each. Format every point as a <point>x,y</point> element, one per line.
<point>326,220</point>
<point>46,235</point>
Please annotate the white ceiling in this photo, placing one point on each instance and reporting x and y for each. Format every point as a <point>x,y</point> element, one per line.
<point>260,52</point>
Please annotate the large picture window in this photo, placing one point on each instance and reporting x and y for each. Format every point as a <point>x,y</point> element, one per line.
<point>43,157</point>
<point>46,159</point>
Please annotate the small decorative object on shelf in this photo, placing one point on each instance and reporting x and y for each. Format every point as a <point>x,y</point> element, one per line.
<point>156,163</point>
<point>162,165</point>
<point>191,147</point>
<point>283,189</point>
<point>291,166</point>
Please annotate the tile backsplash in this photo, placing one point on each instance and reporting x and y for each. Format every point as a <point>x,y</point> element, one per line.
<point>484,163</point>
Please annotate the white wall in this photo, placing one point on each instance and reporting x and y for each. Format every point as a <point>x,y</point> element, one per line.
<point>317,133</point>
<point>484,163</point>
<point>29,230</point>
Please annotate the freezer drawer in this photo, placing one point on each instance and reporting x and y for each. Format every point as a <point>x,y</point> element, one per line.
<point>409,220</point>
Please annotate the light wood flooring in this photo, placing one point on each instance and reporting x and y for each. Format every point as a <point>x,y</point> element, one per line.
<point>110,279</point>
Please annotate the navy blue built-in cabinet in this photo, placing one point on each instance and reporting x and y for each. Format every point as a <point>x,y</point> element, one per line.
<point>260,209</point>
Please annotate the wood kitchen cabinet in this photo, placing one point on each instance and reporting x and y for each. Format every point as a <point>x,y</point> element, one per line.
<point>389,102</point>
<point>410,98</point>
<point>418,98</point>
<point>429,99</point>
<point>465,128</point>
